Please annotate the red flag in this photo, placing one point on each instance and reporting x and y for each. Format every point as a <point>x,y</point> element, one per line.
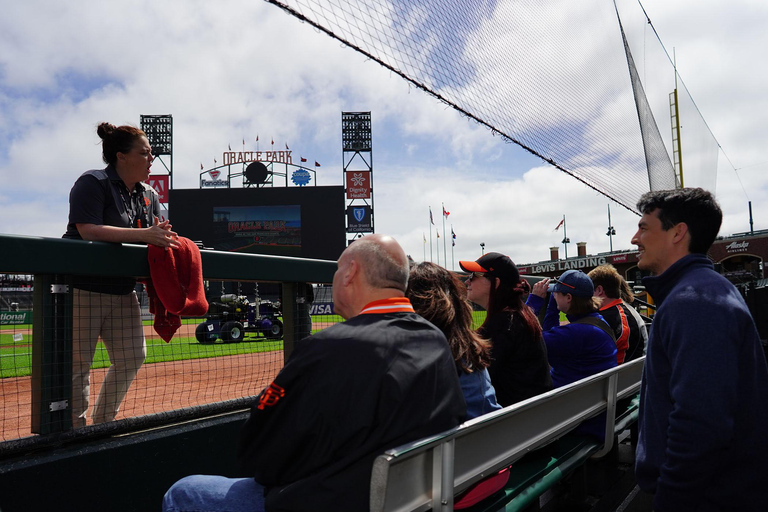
<point>273,142</point>
<point>201,167</point>
<point>303,159</point>
<point>317,164</point>
<point>561,223</point>
<point>445,213</point>
<point>257,138</point>
<point>286,146</point>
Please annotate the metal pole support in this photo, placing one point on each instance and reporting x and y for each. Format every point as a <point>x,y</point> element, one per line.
<point>52,355</point>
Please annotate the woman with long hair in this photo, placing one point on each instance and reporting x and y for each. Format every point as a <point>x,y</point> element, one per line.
<point>440,297</point>
<point>519,368</point>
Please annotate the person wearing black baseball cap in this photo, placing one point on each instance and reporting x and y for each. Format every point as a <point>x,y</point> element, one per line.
<point>519,368</point>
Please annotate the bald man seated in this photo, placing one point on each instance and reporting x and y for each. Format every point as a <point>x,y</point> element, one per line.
<point>382,378</point>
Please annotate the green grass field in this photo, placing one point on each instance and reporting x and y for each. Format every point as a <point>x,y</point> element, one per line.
<point>16,356</point>
<point>16,361</point>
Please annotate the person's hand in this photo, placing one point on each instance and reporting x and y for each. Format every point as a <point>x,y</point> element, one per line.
<point>166,224</point>
<point>161,234</point>
<point>540,288</point>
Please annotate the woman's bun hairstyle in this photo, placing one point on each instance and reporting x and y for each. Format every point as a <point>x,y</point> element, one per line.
<point>116,139</point>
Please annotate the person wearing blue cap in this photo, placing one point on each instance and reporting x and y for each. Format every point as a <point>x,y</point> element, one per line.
<point>582,347</point>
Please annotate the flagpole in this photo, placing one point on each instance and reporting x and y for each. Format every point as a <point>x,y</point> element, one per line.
<point>437,245</point>
<point>453,243</point>
<point>565,237</point>
<point>611,231</point>
<point>445,250</point>
<point>430,233</point>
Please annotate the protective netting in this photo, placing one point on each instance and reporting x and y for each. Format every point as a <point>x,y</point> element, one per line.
<point>551,77</point>
<point>661,172</point>
<point>122,370</point>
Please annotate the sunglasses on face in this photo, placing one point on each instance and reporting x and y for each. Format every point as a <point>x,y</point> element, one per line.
<point>476,275</point>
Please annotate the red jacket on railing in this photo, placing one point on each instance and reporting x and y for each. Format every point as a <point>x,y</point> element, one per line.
<point>176,286</point>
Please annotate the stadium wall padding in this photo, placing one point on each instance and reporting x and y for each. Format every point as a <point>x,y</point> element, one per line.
<point>121,473</point>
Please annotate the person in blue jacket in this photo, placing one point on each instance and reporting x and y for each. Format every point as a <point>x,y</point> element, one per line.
<point>440,297</point>
<point>582,347</point>
<point>704,395</point>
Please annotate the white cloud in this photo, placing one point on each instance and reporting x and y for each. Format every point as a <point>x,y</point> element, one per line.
<point>228,71</point>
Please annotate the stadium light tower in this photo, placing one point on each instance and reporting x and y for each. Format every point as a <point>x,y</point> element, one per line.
<point>357,155</point>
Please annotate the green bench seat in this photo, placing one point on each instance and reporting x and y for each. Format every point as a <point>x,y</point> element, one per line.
<point>538,471</point>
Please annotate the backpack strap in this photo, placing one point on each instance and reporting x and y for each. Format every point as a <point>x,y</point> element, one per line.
<point>600,324</point>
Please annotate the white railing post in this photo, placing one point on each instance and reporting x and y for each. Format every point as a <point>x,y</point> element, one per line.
<point>611,386</point>
<point>442,476</point>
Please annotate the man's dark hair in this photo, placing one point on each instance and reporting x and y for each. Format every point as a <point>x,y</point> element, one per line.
<point>694,206</point>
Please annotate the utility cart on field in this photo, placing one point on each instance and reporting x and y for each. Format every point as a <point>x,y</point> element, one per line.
<point>232,317</point>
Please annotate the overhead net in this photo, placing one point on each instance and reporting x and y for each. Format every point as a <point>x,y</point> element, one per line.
<point>552,77</point>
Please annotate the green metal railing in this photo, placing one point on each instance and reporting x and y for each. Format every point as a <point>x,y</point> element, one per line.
<point>54,261</point>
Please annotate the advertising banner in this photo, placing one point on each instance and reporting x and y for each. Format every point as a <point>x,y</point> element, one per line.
<point>159,182</point>
<point>15,317</point>
<point>359,219</point>
<point>358,184</point>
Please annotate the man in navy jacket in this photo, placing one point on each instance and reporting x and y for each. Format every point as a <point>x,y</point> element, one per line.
<point>704,395</point>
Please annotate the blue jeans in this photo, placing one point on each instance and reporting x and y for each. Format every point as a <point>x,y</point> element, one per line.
<point>210,493</point>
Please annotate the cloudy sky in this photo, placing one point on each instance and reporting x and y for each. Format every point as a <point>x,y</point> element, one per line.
<point>231,70</point>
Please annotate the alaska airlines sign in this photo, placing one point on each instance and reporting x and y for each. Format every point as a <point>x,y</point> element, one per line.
<point>737,247</point>
<point>241,157</point>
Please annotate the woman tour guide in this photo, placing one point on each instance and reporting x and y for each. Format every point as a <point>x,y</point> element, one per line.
<point>112,205</point>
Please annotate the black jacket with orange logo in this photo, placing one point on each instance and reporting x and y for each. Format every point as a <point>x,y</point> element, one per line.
<point>347,394</point>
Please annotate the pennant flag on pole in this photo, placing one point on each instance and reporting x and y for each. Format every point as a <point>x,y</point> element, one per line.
<point>229,146</point>
<point>273,142</point>
<point>561,223</point>
<point>257,137</point>
<point>425,238</point>
<point>452,233</point>
<point>286,146</point>
<point>243,142</point>
<point>303,159</point>
<point>214,161</point>
<point>445,213</point>
<point>317,164</point>
<point>430,216</point>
